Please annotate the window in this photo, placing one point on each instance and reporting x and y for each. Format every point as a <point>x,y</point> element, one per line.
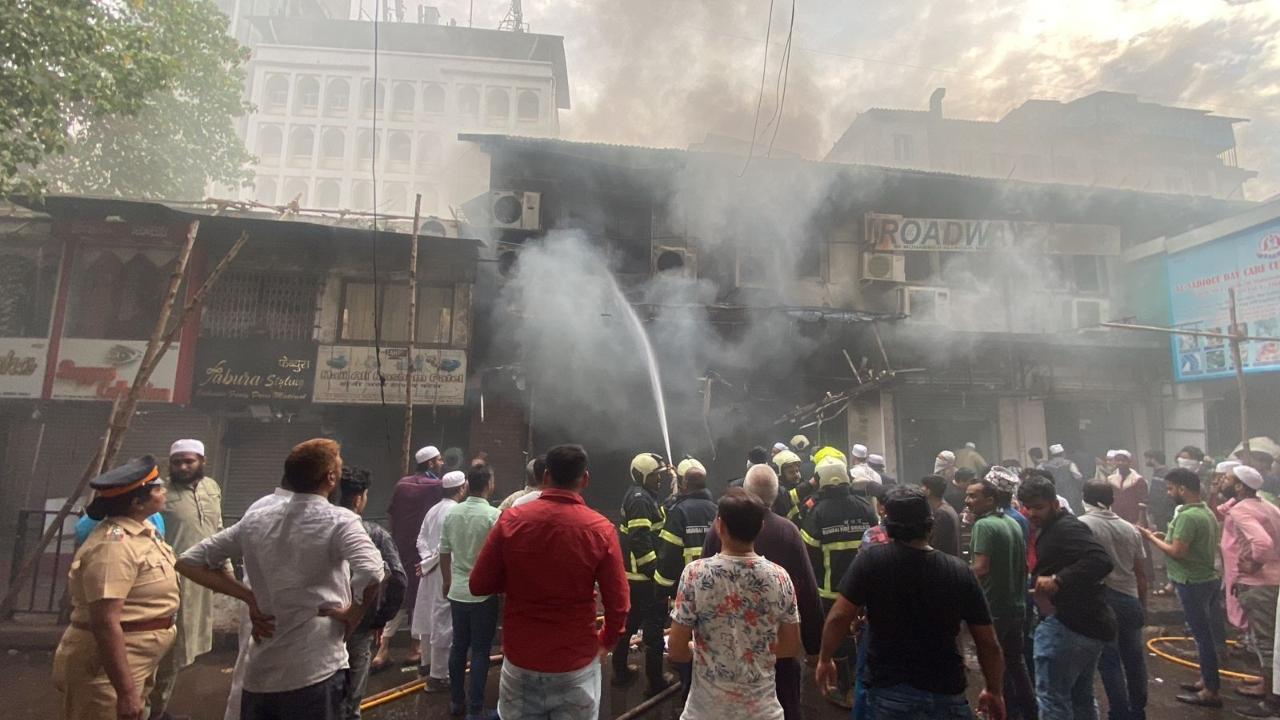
<point>337,98</point>
<point>1079,274</point>
<point>276,94</point>
<point>919,266</point>
<point>362,196</point>
<point>433,98</point>
<point>368,101</point>
<point>402,101</point>
<point>903,148</point>
<point>270,141</point>
<point>30,269</point>
<point>116,292</point>
<point>307,99</point>
<point>295,189</point>
<point>394,198</point>
<point>260,304</point>
<point>528,107</point>
<point>333,148</point>
<point>428,151</point>
<point>400,152</point>
<point>367,149</point>
<point>497,107</point>
<point>435,313</point>
<point>264,190</point>
<point>1031,168</point>
<point>302,143</point>
<point>328,193</point>
<point>469,103</point>
<point>430,199</point>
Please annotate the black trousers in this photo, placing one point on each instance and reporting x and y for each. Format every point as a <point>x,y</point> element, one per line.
<point>787,684</point>
<point>321,701</point>
<point>648,615</point>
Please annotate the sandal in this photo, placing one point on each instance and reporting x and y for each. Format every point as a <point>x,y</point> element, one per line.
<point>377,667</point>
<point>1199,700</point>
<point>1256,692</point>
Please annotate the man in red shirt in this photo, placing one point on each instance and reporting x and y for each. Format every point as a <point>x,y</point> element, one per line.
<point>547,556</point>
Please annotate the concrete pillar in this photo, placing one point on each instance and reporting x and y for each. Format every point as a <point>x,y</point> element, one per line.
<point>871,422</point>
<point>1184,421</point>
<point>1022,427</point>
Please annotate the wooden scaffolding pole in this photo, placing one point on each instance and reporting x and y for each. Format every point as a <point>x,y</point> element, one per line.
<point>406,458</point>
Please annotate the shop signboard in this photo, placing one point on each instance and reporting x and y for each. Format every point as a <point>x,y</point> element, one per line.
<point>893,233</point>
<point>1198,282</point>
<point>22,362</point>
<point>349,374</point>
<point>254,370</point>
<point>104,369</point>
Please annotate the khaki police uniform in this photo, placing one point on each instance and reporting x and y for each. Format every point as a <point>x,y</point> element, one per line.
<point>123,559</point>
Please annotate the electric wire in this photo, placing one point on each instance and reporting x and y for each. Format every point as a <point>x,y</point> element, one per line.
<point>784,75</point>
<point>764,74</point>
<point>378,298</point>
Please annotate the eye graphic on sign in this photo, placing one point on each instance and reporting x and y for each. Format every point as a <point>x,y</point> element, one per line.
<point>121,355</point>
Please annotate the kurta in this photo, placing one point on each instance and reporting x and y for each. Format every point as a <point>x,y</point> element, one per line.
<point>191,515</point>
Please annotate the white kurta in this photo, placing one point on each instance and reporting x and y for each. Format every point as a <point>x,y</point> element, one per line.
<point>432,616</point>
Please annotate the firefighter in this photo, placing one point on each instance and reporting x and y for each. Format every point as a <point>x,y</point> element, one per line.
<point>833,531</point>
<point>642,519</point>
<point>793,489</point>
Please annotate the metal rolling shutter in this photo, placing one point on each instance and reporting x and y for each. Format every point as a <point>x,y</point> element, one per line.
<point>154,430</point>
<point>253,455</point>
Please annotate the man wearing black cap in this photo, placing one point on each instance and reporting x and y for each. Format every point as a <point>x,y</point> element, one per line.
<point>915,598</point>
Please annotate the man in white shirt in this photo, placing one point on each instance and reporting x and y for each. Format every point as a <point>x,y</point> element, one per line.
<point>304,559</point>
<point>432,615</point>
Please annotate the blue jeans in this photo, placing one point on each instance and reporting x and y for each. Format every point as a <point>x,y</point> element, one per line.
<point>904,702</point>
<point>530,695</point>
<point>1065,664</point>
<point>1199,601</point>
<point>474,625</point>
<point>861,676</point>
<point>359,654</point>
<point>1123,665</point>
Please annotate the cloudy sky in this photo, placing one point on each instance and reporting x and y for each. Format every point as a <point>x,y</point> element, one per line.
<point>667,72</point>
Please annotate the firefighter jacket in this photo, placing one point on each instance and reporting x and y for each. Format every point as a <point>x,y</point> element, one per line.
<point>682,536</point>
<point>794,503</point>
<point>642,519</point>
<point>833,532</point>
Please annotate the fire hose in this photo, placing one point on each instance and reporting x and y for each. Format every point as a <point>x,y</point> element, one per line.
<point>1151,645</point>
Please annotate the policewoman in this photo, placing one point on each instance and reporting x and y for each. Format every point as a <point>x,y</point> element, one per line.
<point>124,594</point>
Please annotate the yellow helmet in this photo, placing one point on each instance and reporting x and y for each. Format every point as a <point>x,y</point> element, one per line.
<point>689,464</point>
<point>785,457</point>
<point>644,464</point>
<point>800,443</point>
<point>832,471</point>
<point>829,452</point>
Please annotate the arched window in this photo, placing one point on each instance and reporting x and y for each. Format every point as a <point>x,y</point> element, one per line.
<point>362,195</point>
<point>528,107</point>
<point>497,107</point>
<point>402,101</point>
<point>469,103</point>
<point>302,143</point>
<point>337,98</point>
<point>333,148</point>
<point>394,198</point>
<point>399,151</point>
<point>328,193</point>
<point>275,96</point>
<point>428,151</point>
<point>367,99</point>
<point>264,190</point>
<point>430,199</point>
<point>433,98</point>
<point>295,188</point>
<point>366,148</point>
<point>270,143</point>
<point>307,98</point>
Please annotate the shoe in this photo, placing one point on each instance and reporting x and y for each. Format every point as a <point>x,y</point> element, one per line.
<point>653,689</point>
<point>455,709</point>
<point>1199,700</point>
<point>377,667</point>
<point>626,677</point>
<point>841,700</point>
<point>436,685</point>
<point>1194,687</point>
<point>1261,711</point>
<point>1257,691</point>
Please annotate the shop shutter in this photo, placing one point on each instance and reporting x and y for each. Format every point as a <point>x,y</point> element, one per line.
<point>154,429</point>
<point>253,455</point>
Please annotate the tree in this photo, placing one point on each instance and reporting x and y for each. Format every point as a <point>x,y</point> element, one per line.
<point>133,98</point>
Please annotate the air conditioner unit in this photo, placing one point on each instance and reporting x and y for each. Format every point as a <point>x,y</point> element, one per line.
<point>515,210</point>
<point>885,267</point>
<point>1088,313</point>
<point>682,261</point>
<point>439,227</point>
<point>926,304</point>
<point>751,271</point>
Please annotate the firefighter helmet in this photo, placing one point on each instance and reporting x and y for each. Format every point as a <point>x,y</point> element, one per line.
<point>829,452</point>
<point>645,464</point>
<point>786,457</point>
<point>832,471</point>
<point>800,443</point>
<point>689,464</point>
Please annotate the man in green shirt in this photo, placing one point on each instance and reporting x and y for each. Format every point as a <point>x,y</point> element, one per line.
<point>999,555</point>
<point>475,618</point>
<point>1192,546</point>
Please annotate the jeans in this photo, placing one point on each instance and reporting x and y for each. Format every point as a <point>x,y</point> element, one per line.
<point>474,625</point>
<point>904,702</point>
<point>1198,601</point>
<point>529,695</point>
<point>1019,698</point>
<point>321,701</point>
<point>360,652</point>
<point>1065,664</point>
<point>1123,665</point>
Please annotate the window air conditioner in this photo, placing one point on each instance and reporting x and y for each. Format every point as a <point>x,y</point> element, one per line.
<point>926,304</point>
<point>439,227</point>
<point>885,267</point>
<point>1088,313</point>
<point>515,210</point>
<point>682,261</point>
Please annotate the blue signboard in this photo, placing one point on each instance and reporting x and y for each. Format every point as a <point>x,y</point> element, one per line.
<point>1198,282</point>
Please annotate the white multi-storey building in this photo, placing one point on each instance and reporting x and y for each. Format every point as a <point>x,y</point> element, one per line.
<point>335,130</point>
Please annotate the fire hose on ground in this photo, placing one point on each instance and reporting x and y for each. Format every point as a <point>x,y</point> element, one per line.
<point>1151,645</point>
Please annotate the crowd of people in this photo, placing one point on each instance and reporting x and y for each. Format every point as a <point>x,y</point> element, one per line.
<point>813,556</point>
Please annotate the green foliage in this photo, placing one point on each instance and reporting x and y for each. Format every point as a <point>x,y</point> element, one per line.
<point>135,98</point>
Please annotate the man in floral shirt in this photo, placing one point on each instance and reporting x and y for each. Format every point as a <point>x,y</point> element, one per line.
<point>735,614</point>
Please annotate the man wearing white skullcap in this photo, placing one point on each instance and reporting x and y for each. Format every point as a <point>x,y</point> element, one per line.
<point>857,454</point>
<point>192,512</point>
<point>432,617</point>
<point>1067,477</point>
<point>413,496</point>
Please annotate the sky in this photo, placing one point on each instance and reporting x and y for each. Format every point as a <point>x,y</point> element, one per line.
<point>667,72</point>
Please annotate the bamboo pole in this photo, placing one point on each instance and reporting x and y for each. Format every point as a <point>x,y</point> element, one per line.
<point>1236,357</point>
<point>413,338</point>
